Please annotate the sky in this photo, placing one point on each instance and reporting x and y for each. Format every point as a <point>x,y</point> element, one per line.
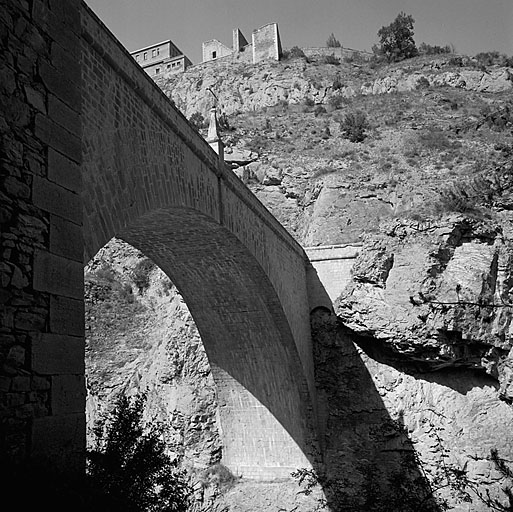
<point>472,26</point>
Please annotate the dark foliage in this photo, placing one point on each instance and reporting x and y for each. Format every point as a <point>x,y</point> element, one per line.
<point>428,49</point>
<point>396,39</point>
<point>294,53</point>
<point>332,41</point>
<point>354,125</point>
<point>197,120</point>
<point>130,466</point>
<point>141,273</point>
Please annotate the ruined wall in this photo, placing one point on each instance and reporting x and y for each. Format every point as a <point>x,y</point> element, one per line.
<point>41,330</point>
<point>266,43</point>
<point>339,53</point>
<point>214,49</point>
<point>239,41</point>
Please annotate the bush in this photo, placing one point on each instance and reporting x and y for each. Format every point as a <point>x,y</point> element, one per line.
<point>336,101</point>
<point>332,42</point>
<point>319,110</point>
<point>141,273</point>
<point>331,59</point>
<point>294,53</point>
<point>427,49</point>
<point>197,121</point>
<point>131,466</point>
<point>353,126</point>
<point>498,117</point>
<point>484,59</point>
<point>396,39</point>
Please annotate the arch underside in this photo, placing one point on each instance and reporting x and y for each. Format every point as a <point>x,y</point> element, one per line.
<point>263,396</point>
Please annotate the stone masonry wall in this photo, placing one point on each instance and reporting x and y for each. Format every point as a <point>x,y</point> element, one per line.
<point>214,45</point>
<point>266,43</point>
<point>338,52</point>
<point>330,272</point>
<point>42,393</point>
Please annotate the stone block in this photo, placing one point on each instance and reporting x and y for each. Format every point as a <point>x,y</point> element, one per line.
<point>52,24</point>
<point>56,354</point>
<point>57,84</point>
<point>63,171</point>
<point>68,394</point>
<point>66,63</point>
<point>57,275</point>
<point>60,439</point>
<point>66,239</point>
<point>64,116</point>
<point>55,199</point>
<point>66,316</point>
<point>58,138</point>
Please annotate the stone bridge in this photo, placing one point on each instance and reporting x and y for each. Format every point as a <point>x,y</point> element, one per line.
<point>92,150</point>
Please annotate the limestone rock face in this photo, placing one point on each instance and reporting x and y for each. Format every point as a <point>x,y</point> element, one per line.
<point>142,338</point>
<point>497,80</point>
<point>243,88</point>
<point>440,294</point>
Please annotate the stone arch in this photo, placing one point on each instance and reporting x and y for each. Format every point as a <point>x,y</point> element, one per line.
<point>262,393</point>
<point>150,179</point>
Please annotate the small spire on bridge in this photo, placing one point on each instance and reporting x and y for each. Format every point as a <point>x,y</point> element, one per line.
<point>213,137</point>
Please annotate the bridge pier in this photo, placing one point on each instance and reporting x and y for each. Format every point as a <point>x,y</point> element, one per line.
<point>41,298</point>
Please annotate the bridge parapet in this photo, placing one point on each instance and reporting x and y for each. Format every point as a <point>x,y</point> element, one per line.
<point>329,273</point>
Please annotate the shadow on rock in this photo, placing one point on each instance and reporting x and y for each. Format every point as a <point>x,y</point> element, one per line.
<point>370,463</point>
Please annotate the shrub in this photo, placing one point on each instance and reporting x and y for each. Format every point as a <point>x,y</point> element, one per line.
<point>332,42</point>
<point>309,102</point>
<point>427,49</point>
<point>498,117</point>
<point>131,467</point>
<point>396,39</point>
<point>336,101</point>
<point>141,273</point>
<point>422,83</point>
<point>484,59</point>
<point>319,110</point>
<point>331,59</point>
<point>218,475</point>
<point>294,53</point>
<point>197,121</point>
<point>353,126</point>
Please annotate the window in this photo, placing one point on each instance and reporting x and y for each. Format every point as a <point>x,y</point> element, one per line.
<point>168,66</point>
<point>214,55</point>
<point>158,51</point>
<point>145,56</point>
<point>138,57</point>
<point>157,71</point>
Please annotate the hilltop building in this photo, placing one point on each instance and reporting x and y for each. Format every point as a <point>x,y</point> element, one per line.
<point>161,57</point>
<point>265,44</point>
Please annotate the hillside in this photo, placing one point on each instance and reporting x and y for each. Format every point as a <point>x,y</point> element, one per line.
<point>424,323</point>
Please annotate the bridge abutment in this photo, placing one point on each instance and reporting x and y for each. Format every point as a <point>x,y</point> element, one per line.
<point>42,332</point>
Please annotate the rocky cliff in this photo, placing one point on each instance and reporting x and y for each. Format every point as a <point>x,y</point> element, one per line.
<point>415,362</point>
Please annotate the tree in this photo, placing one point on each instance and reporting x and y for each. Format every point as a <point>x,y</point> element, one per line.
<point>396,39</point>
<point>130,465</point>
<point>332,42</point>
<point>197,120</point>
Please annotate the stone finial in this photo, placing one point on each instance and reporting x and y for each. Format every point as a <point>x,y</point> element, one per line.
<point>213,127</point>
<point>213,137</point>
